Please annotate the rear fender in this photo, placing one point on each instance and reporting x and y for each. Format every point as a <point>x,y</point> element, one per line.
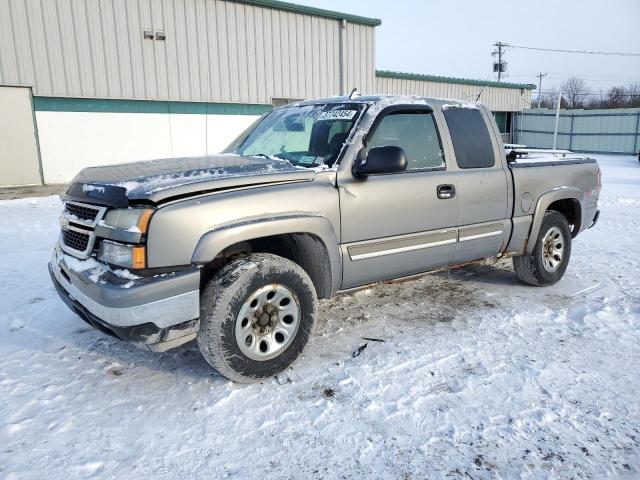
<point>546,199</point>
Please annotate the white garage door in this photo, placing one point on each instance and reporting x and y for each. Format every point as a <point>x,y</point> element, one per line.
<point>19,164</point>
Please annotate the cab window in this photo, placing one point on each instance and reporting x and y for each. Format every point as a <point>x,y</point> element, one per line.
<point>415,133</point>
<point>470,137</point>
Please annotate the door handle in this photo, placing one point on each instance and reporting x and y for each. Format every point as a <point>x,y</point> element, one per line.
<point>446,191</point>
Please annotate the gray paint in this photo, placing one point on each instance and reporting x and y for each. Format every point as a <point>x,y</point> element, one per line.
<point>196,217</point>
<point>588,208</point>
<point>381,227</point>
<point>215,51</point>
<point>165,302</point>
<point>405,243</point>
<point>521,226</point>
<point>395,256</point>
<point>367,221</point>
<point>216,240</point>
<point>160,180</point>
<point>480,241</point>
<point>367,217</point>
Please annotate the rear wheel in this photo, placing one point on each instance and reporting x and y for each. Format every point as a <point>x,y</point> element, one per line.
<point>256,316</point>
<point>550,257</point>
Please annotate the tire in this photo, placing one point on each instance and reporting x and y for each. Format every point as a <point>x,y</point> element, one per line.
<point>282,317</point>
<point>547,263</point>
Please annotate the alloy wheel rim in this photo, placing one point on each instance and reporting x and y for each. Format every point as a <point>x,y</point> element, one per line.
<point>552,249</point>
<point>267,322</point>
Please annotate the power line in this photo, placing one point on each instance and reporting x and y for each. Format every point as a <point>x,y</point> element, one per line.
<point>614,76</point>
<point>584,76</point>
<point>555,92</point>
<point>586,52</point>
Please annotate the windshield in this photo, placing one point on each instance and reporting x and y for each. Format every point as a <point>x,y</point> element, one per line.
<point>307,136</point>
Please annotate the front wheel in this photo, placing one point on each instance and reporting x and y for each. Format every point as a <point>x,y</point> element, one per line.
<point>550,257</point>
<point>256,315</point>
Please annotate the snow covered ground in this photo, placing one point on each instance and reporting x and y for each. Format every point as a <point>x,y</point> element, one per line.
<point>477,377</point>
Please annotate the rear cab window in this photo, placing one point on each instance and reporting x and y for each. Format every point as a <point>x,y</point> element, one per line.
<point>470,136</point>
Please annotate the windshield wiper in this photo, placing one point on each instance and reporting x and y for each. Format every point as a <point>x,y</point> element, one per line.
<point>264,155</point>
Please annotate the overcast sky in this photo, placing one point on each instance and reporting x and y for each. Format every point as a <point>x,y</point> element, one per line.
<point>455,37</point>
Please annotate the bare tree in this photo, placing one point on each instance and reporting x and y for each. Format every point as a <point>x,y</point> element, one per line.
<point>620,96</point>
<point>549,99</point>
<point>575,91</point>
<point>633,95</point>
<point>616,97</point>
<point>576,94</point>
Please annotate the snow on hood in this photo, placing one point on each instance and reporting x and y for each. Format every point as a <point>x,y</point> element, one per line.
<point>159,179</point>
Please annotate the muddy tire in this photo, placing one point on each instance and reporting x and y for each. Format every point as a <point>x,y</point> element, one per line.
<point>256,315</point>
<point>550,257</point>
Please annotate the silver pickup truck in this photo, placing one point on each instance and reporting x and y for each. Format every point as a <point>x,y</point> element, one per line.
<point>314,199</point>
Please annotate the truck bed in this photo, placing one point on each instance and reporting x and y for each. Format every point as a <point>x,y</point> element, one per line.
<point>531,157</point>
<point>554,170</point>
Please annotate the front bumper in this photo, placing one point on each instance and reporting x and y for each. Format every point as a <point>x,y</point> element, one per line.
<point>159,312</point>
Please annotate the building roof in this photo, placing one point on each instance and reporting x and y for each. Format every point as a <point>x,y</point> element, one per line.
<point>388,99</point>
<point>318,12</point>
<point>462,81</point>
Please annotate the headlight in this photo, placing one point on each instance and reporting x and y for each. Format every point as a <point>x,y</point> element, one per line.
<point>130,219</point>
<point>127,256</point>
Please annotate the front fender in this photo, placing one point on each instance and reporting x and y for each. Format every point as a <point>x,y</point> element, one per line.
<point>546,199</point>
<point>223,236</point>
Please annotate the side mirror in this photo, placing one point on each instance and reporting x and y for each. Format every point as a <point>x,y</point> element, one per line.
<point>381,160</point>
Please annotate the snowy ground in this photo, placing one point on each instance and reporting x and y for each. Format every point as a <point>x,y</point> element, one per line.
<point>478,377</point>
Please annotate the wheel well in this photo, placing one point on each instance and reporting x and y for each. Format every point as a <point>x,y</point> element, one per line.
<point>305,249</point>
<point>570,208</point>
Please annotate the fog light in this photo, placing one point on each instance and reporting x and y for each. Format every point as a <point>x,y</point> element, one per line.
<point>127,256</point>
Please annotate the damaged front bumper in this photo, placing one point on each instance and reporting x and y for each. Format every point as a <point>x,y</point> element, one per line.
<point>158,313</point>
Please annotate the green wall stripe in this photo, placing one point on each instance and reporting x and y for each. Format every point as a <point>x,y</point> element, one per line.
<point>66,104</point>
<point>461,81</point>
<point>318,12</point>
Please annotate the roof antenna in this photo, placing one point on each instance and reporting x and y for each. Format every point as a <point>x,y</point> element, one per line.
<point>354,93</point>
<point>481,92</point>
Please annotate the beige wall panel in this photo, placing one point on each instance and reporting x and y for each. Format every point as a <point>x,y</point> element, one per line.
<point>215,50</point>
<point>496,98</point>
<point>19,164</point>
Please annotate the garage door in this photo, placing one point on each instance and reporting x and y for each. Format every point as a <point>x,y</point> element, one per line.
<point>19,164</point>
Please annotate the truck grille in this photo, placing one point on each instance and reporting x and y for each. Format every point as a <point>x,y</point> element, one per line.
<point>82,212</point>
<point>76,240</point>
<point>78,222</point>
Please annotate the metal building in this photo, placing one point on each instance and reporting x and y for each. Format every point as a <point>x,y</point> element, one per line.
<point>504,99</point>
<point>88,82</point>
<point>183,50</point>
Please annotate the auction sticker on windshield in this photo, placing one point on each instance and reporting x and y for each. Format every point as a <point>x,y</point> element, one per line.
<point>337,115</point>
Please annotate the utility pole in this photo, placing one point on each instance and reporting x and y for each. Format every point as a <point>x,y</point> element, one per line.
<point>500,66</point>
<point>540,75</point>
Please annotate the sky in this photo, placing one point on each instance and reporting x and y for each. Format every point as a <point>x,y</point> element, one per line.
<point>456,37</point>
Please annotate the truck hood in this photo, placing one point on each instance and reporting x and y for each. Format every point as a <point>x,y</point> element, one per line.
<point>160,180</point>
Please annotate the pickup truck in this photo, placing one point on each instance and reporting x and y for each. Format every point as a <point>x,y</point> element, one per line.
<point>314,199</point>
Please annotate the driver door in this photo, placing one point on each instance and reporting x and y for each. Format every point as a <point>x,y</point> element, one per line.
<point>404,223</point>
